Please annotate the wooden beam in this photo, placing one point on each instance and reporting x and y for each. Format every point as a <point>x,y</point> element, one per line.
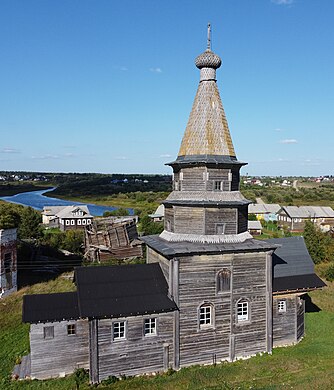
<point>93,352</point>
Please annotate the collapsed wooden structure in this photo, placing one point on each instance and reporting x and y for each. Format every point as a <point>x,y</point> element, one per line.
<point>112,238</point>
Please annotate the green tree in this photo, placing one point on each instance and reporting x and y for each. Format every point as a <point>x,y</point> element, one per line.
<point>73,241</point>
<point>315,243</point>
<point>252,217</point>
<point>120,212</point>
<point>149,227</point>
<point>29,226</point>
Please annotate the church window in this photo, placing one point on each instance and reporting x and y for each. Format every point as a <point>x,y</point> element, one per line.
<point>150,326</point>
<point>71,330</point>
<point>67,222</point>
<point>220,228</point>
<point>72,222</point>
<point>84,222</point>
<point>281,306</point>
<point>243,310</point>
<point>218,185</point>
<point>48,332</point>
<point>79,221</point>
<point>118,329</point>
<point>176,185</point>
<point>224,280</point>
<point>205,315</point>
<point>89,221</point>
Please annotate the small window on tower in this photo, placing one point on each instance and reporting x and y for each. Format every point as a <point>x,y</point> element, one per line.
<point>220,228</point>
<point>218,185</point>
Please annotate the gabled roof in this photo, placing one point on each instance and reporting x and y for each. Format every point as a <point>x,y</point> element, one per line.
<point>254,225</point>
<point>309,211</point>
<point>68,211</point>
<point>159,212</point>
<point>293,266</point>
<point>50,307</point>
<point>120,291</point>
<point>269,208</point>
<point>51,210</point>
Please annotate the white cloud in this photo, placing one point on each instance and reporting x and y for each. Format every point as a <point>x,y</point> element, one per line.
<point>282,2</point>
<point>121,158</point>
<point>155,70</point>
<point>165,155</point>
<point>278,129</point>
<point>9,150</point>
<point>46,157</point>
<point>288,141</point>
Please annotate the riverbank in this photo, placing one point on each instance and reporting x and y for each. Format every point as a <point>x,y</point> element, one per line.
<point>136,200</point>
<point>10,189</point>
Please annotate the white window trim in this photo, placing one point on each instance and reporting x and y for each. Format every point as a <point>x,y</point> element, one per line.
<point>67,222</point>
<point>119,324</point>
<point>243,306</point>
<point>281,306</point>
<point>150,327</point>
<point>206,309</point>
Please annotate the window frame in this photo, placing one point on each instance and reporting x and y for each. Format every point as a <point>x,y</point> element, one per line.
<point>223,224</point>
<point>148,329</point>
<point>220,282</point>
<point>121,334</point>
<point>215,182</point>
<point>243,318</point>
<point>205,316</point>
<point>71,329</point>
<point>47,329</point>
<point>281,306</point>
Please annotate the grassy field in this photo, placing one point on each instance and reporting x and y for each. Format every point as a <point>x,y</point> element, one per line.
<point>308,365</point>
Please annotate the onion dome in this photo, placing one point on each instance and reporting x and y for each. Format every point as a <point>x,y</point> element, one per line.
<point>208,59</point>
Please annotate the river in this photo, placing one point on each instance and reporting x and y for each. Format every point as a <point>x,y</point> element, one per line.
<point>37,200</point>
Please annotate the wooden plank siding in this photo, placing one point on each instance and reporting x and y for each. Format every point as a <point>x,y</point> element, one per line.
<point>214,216</point>
<point>193,179</point>
<point>242,219</point>
<point>184,217</point>
<point>137,354</point>
<point>61,354</point>
<point>285,323</point>
<point>197,285</point>
<point>154,257</point>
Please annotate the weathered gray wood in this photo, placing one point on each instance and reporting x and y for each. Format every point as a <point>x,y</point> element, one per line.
<point>284,324</point>
<point>59,355</point>
<point>269,308</point>
<point>300,319</point>
<point>176,324</point>
<point>93,351</point>
<point>137,354</point>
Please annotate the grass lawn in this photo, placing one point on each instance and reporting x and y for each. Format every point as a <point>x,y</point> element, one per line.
<point>308,365</point>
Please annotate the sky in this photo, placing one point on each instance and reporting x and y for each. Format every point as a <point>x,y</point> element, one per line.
<point>107,86</point>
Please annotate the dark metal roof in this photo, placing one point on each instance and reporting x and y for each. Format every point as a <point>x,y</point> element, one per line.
<point>206,159</point>
<point>50,307</point>
<point>293,267</point>
<point>172,249</point>
<point>200,203</point>
<point>297,283</point>
<point>116,291</point>
<point>291,258</point>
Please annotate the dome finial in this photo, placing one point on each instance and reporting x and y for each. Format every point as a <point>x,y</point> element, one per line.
<point>209,37</point>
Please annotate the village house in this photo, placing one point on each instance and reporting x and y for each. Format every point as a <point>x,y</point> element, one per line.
<point>267,212</point>
<point>8,261</point>
<point>293,218</point>
<point>254,228</point>
<point>209,292</point>
<point>66,217</point>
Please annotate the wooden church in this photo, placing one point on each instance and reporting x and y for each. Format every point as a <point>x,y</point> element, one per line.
<point>209,291</point>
